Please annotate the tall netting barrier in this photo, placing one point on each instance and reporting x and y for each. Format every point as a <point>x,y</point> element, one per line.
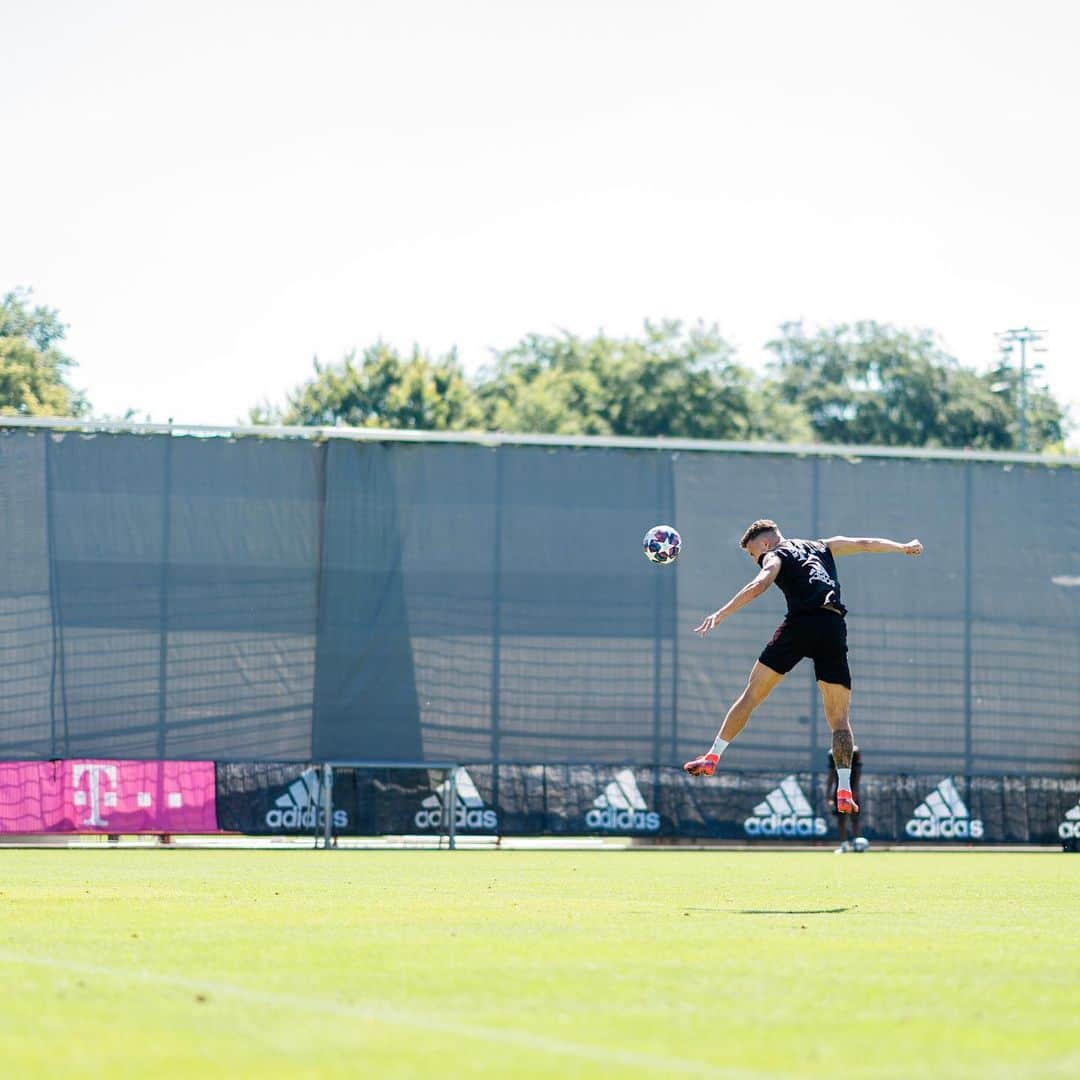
<point>485,601</point>
<point>159,596</point>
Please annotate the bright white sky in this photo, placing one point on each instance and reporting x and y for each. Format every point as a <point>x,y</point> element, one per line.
<point>212,193</point>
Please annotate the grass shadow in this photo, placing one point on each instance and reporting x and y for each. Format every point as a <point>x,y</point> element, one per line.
<point>774,911</point>
<point>793,911</point>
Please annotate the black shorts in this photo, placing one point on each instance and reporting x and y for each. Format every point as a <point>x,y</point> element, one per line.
<point>820,635</point>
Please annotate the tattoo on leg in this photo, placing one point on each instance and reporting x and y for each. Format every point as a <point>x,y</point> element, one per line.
<point>843,745</point>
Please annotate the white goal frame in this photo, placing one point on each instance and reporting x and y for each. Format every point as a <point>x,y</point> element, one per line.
<point>447,826</point>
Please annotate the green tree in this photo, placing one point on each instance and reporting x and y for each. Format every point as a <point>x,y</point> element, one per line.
<point>32,368</point>
<point>873,384</point>
<point>675,381</point>
<point>383,390</point>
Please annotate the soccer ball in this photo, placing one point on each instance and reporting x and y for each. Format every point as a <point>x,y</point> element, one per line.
<point>662,544</point>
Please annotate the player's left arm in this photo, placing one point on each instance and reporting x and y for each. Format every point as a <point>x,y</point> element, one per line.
<point>770,567</point>
<point>856,545</point>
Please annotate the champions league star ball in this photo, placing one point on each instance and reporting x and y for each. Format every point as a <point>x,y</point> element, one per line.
<point>662,544</point>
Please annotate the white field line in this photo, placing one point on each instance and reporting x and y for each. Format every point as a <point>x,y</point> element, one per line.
<point>523,1040</point>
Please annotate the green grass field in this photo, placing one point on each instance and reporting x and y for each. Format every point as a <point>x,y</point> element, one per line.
<point>267,963</point>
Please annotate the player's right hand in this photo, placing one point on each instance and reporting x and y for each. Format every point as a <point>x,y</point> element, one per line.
<point>707,624</point>
<point>913,547</point>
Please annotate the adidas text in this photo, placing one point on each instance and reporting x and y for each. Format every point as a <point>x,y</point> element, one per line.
<point>1069,830</point>
<point>627,820</point>
<point>788,825</point>
<point>463,819</point>
<point>295,818</point>
<point>944,828</point>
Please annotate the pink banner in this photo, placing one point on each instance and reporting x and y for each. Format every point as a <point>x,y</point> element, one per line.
<point>81,795</point>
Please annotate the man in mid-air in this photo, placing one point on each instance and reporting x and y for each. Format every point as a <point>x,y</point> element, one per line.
<point>814,626</point>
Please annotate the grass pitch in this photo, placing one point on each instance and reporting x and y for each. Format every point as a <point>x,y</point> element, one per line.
<point>539,964</point>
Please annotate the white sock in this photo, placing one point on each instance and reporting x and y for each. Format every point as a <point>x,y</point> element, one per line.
<point>719,746</point>
<point>843,779</point>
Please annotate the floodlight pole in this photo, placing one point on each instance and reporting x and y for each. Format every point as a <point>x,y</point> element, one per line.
<point>1023,336</point>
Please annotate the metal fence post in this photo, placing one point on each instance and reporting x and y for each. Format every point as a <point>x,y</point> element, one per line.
<point>496,611</point>
<point>815,529</point>
<point>969,501</point>
<point>661,582</point>
<point>451,820</point>
<point>163,599</point>
<point>328,804</point>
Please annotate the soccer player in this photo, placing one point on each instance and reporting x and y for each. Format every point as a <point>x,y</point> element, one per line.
<point>856,843</point>
<point>814,626</point>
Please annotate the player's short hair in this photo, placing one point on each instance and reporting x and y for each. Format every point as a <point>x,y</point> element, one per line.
<point>756,528</point>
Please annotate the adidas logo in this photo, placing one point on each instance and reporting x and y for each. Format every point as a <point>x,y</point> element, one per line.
<point>1069,829</point>
<point>301,805</point>
<point>470,812</point>
<point>622,807</point>
<point>785,812</point>
<point>943,815</point>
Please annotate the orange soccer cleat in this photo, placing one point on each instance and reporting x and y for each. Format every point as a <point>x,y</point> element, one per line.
<point>845,803</point>
<point>702,766</point>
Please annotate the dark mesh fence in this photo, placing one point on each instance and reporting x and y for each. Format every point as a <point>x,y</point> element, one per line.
<point>274,599</point>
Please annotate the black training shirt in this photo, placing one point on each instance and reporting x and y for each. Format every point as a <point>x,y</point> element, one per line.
<point>807,576</point>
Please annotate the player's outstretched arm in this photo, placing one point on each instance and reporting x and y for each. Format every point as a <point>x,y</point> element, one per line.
<point>857,545</point>
<point>770,567</point>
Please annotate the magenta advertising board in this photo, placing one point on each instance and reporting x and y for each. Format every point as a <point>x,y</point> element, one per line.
<point>85,795</point>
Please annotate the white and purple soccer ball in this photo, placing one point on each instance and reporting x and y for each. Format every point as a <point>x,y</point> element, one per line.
<point>662,544</point>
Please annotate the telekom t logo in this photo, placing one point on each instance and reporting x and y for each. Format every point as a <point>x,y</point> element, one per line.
<point>95,796</point>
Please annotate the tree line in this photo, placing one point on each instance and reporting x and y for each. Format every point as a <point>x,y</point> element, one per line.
<point>863,383</point>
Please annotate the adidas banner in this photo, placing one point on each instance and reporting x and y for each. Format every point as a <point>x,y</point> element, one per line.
<point>577,800</point>
<point>288,800</point>
<point>407,801</point>
<point>600,800</point>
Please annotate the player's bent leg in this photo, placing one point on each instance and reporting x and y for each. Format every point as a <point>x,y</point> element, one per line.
<point>759,686</point>
<point>837,701</point>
